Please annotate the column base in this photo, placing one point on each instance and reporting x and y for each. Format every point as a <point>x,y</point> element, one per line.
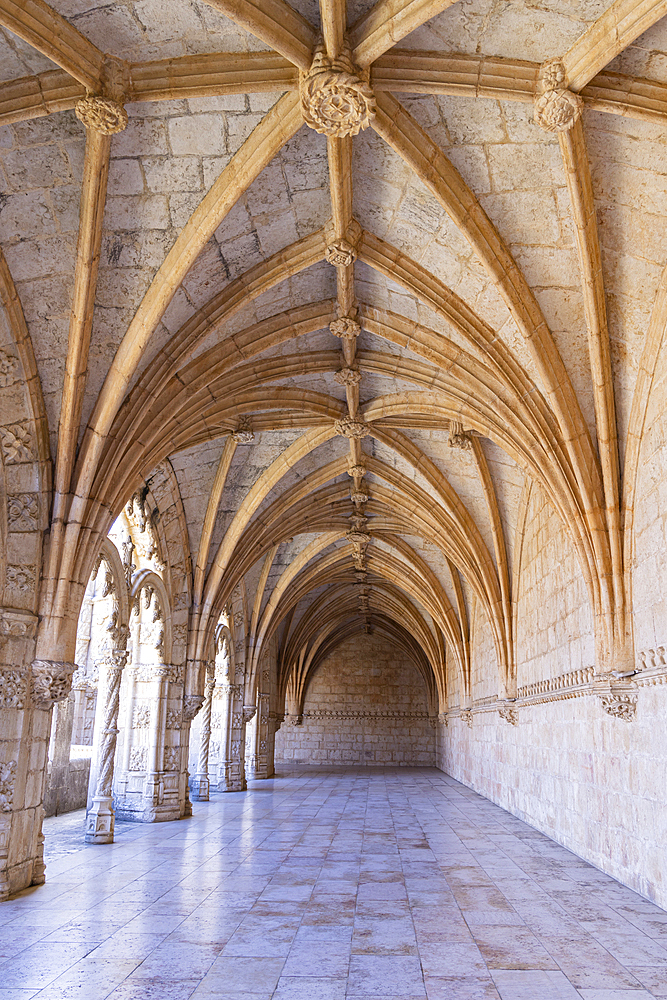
<point>199,788</point>
<point>100,821</point>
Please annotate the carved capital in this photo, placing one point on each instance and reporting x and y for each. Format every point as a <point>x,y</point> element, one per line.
<point>340,253</point>
<point>101,114</point>
<point>334,99</point>
<point>350,428</point>
<point>556,107</point>
<point>243,433</point>
<point>191,705</point>
<point>249,713</point>
<point>51,682</point>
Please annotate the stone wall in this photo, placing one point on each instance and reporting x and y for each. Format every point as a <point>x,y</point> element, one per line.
<point>592,781</point>
<point>383,716</point>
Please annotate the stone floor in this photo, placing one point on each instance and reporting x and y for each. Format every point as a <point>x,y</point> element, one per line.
<point>324,885</point>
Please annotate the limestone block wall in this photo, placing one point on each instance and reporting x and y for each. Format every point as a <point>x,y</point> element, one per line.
<point>366,704</point>
<point>592,781</point>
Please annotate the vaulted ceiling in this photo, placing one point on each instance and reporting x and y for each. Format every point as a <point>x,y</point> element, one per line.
<point>359,273</point>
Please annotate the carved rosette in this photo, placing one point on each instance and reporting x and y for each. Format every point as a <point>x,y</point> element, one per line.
<point>191,705</point>
<point>346,328</point>
<point>101,114</point>
<point>340,253</point>
<point>51,682</point>
<point>350,428</point>
<point>620,706</point>
<point>334,99</point>
<point>556,107</point>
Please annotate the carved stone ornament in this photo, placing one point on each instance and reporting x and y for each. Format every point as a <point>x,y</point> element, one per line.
<point>17,624</point>
<point>350,428</point>
<point>358,496</point>
<point>556,107</point>
<point>348,376</point>
<point>357,471</point>
<point>620,706</point>
<point>358,537</point>
<point>7,776</point>
<point>340,253</point>
<point>101,114</point>
<point>12,689</point>
<point>8,370</point>
<point>346,328</point>
<point>51,682</point>
<point>191,705</point>
<point>442,719</point>
<point>509,714</point>
<point>458,438</point>
<point>16,444</point>
<point>23,512</point>
<point>249,713</point>
<point>466,716</point>
<point>243,433</point>
<point>334,100</point>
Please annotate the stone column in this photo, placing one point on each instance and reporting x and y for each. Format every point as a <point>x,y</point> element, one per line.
<point>258,764</point>
<point>100,817</point>
<point>199,787</point>
<point>152,788</point>
<point>234,763</point>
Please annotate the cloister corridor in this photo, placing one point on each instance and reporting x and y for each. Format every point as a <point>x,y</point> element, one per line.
<point>329,884</point>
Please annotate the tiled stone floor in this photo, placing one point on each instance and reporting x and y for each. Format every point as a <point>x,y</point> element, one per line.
<point>323,885</point>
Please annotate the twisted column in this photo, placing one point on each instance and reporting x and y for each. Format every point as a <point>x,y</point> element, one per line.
<point>100,818</point>
<point>200,785</point>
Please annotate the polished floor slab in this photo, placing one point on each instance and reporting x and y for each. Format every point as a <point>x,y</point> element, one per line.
<point>346,884</point>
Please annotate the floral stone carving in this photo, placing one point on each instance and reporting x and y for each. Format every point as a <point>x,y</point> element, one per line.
<point>16,443</point>
<point>346,328</point>
<point>620,706</point>
<point>8,370</point>
<point>23,512</point>
<point>52,682</point>
<point>334,99</point>
<point>350,428</point>
<point>556,108</point>
<point>7,775</point>
<point>101,114</point>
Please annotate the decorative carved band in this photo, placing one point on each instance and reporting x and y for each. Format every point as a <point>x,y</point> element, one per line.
<point>332,714</point>
<point>51,682</point>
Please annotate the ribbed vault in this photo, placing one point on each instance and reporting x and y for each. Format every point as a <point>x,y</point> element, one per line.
<point>357,339</point>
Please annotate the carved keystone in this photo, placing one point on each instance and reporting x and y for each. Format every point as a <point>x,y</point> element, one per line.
<point>556,107</point>
<point>334,100</point>
<point>350,428</point>
<point>101,114</point>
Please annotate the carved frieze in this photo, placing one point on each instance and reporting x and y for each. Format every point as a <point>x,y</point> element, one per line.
<point>334,99</point>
